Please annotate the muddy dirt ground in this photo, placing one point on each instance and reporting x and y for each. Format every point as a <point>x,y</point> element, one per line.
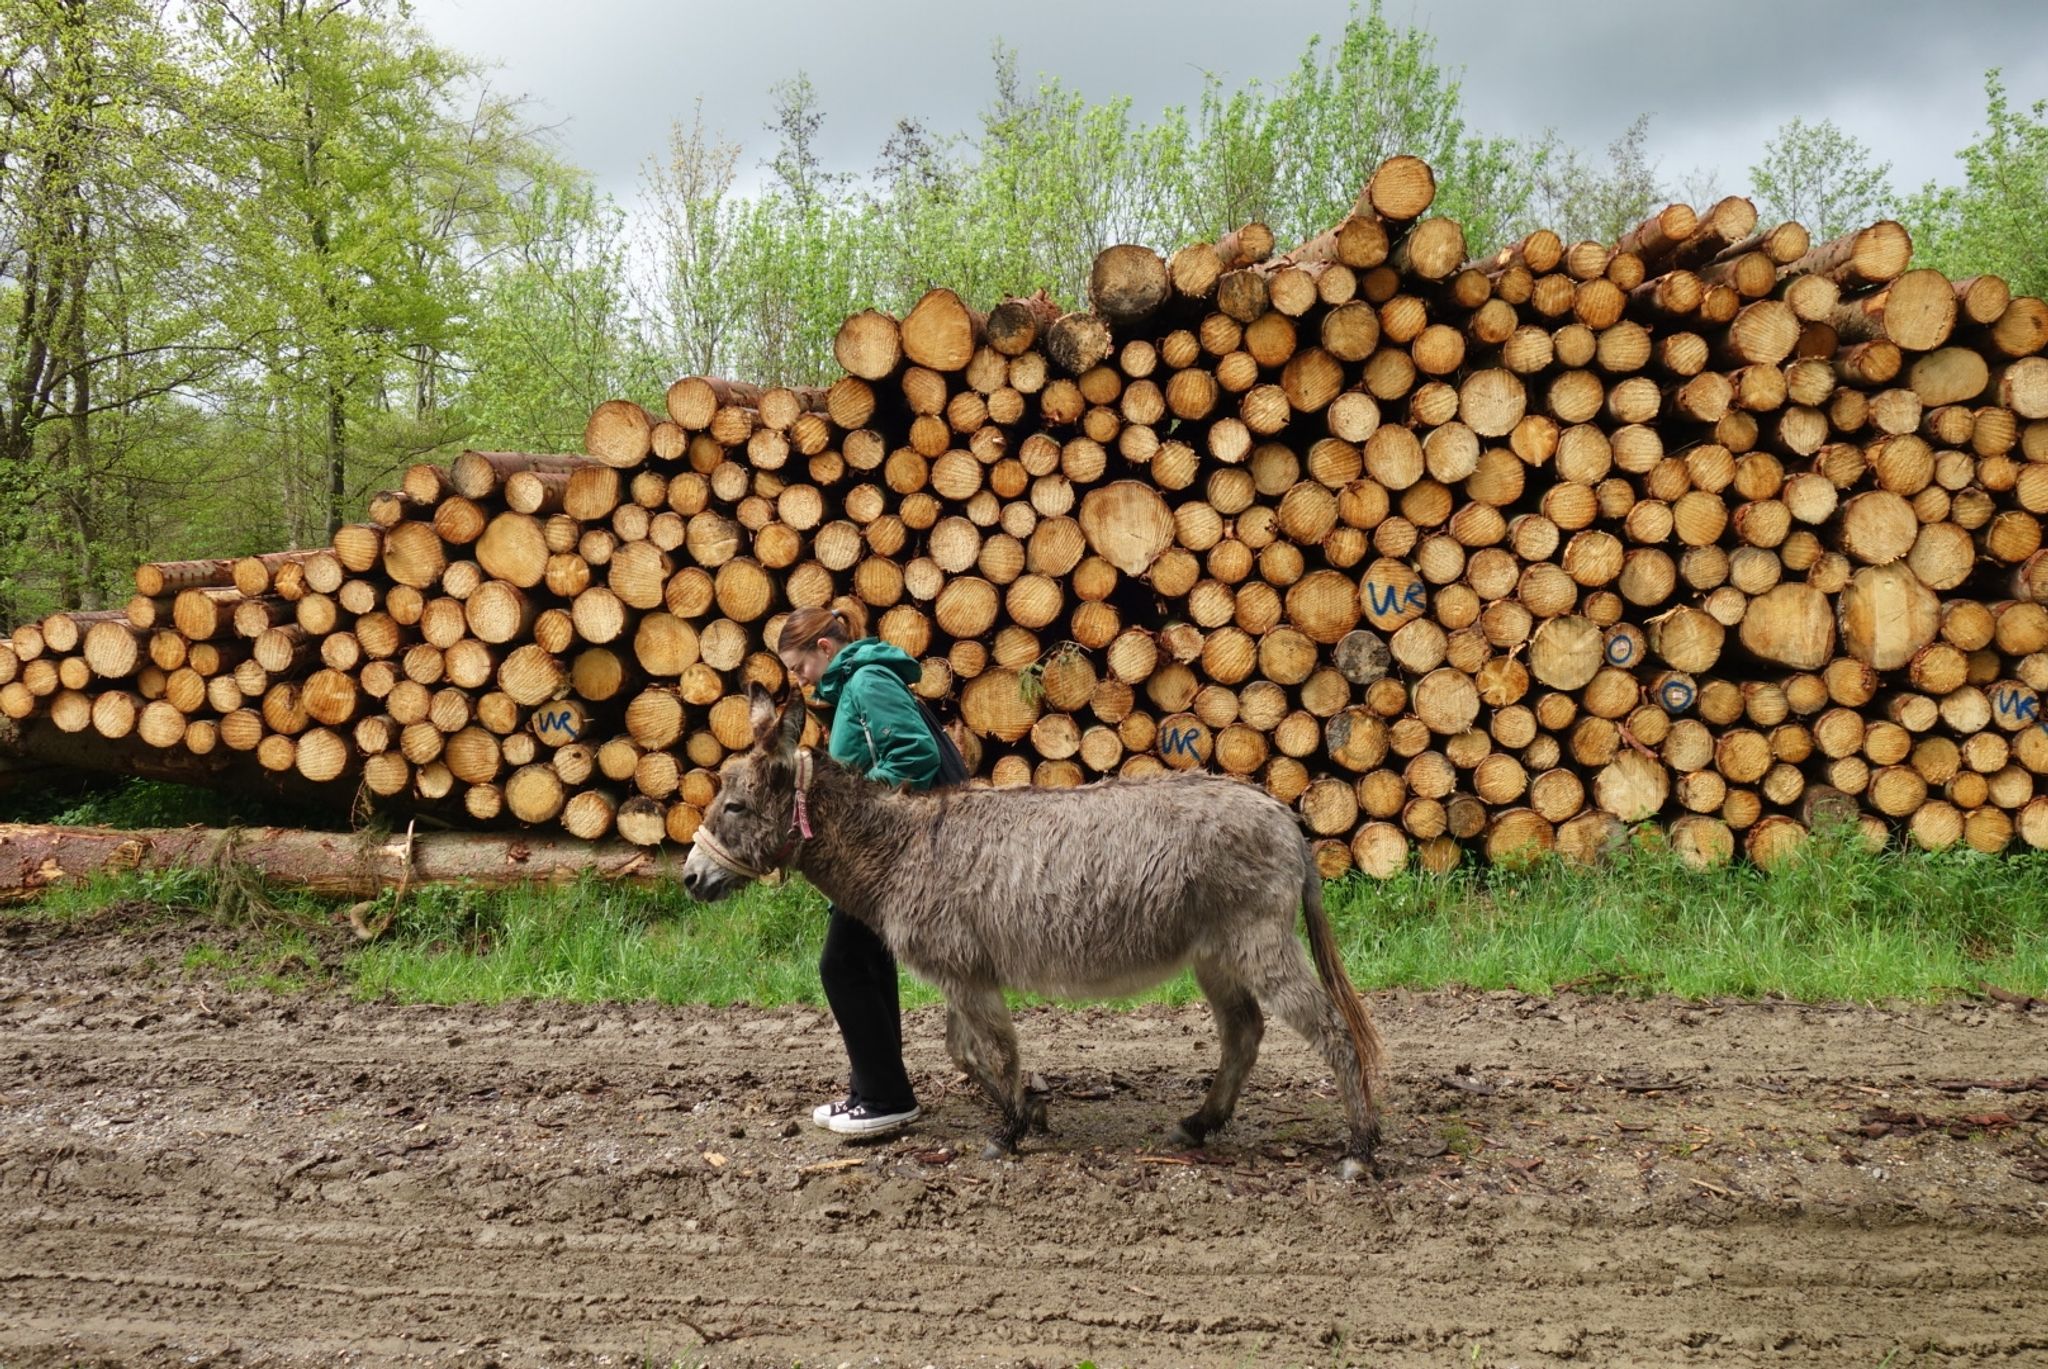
<point>198,1176</point>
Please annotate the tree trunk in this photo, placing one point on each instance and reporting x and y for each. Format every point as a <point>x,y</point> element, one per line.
<point>335,864</point>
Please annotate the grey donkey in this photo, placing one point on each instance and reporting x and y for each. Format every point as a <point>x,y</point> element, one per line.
<point>1090,892</point>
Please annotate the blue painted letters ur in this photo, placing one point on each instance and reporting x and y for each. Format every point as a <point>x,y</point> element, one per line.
<point>2022,708</point>
<point>1393,598</point>
<point>559,720</point>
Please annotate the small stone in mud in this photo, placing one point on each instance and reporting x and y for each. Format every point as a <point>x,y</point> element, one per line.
<point>790,1128</point>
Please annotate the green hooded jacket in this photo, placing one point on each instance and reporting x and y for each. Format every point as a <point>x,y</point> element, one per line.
<point>877,727</point>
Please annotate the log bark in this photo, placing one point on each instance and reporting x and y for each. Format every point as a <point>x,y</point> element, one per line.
<point>35,858</point>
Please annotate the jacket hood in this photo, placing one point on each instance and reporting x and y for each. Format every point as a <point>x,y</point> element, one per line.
<point>860,653</point>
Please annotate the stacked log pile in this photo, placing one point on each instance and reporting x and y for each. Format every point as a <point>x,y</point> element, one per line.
<point>1714,528</point>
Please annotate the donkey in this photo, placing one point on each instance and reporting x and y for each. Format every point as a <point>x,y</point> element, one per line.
<point>1091,892</point>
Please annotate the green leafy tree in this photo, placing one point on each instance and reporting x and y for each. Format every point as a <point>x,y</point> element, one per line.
<point>1377,90</point>
<point>107,294</point>
<point>1822,177</point>
<point>1056,179</point>
<point>360,184</point>
<point>1996,221</point>
<point>550,335</point>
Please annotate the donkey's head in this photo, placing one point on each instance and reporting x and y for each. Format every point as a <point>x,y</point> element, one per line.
<point>752,828</point>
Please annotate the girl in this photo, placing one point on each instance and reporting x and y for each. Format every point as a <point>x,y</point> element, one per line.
<point>878,729</point>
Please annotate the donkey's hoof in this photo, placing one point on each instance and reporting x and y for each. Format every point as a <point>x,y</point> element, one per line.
<point>1353,1169</point>
<point>1188,1134</point>
<point>996,1150</point>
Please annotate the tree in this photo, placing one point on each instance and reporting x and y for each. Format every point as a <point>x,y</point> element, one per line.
<point>797,268</point>
<point>1379,91</point>
<point>106,282</point>
<point>920,231</point>
<point>549,337</point>
<point>360,185</point>
<point>688,241</point>
<point>1996,221</point>
<point>796,162</point>
<point>1578,199</point>
<point>1056,179</point>
<point>1822,177</point>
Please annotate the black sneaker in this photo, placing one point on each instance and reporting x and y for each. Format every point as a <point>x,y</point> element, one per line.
<point>822,1115</point>
<point>862,1120</point>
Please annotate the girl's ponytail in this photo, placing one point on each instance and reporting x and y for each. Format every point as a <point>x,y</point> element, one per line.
<point>844,621</point>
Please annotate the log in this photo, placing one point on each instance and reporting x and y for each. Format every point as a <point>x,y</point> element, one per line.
<point>1128,524</point>
<point>1728,222</point>
<point>154,579</point>
<point>1917,311</point>
<point>1399,189</point>
<point>1886,615</point>
<point>1016,324</point>
<point>35,858</point>
<point>1868,256</point>
<point>869,345</point>
<point>1790,625</point>
<point>940,332</point>
<point>1951,375</point>
<point>620,433</point>
<point>1075,342</point>
<point>1659,237</point>
<point>1127,284</point>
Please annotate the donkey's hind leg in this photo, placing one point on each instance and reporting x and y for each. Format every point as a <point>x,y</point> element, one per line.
<point>987,1041</point>
<point>1239,1026</point>
<point>956,1041</point>
<point>1279,973</point>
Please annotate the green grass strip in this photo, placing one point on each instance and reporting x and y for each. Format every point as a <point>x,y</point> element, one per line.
<point>1840,924</point>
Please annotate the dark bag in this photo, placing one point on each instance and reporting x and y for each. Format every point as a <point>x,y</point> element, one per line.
<point>952,765</point>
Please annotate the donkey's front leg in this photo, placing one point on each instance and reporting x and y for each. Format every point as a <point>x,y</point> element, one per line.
<point>988,1051</point>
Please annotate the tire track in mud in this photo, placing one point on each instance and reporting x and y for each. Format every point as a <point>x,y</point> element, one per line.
<point>195,1176</point>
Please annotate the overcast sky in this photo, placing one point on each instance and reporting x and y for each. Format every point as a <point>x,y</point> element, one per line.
<point>1718,79</point>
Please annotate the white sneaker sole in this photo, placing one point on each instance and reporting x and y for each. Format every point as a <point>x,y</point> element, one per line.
<point>873,1126</point>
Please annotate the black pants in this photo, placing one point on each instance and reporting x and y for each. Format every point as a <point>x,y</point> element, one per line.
<point>859,976</point>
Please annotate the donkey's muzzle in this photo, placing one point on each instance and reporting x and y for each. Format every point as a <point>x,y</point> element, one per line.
<point>704,880</point>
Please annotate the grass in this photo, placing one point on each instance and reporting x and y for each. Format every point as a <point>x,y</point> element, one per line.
<point>1841,924</point>
<point>592,941</point>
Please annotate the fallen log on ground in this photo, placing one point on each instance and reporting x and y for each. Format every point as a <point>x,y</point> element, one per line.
<point>35,857</point>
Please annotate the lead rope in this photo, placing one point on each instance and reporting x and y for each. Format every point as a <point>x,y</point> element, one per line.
<point>803,785</point>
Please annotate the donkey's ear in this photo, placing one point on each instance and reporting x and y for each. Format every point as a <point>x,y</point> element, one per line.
<point>794,716</point>
<point>760,713</point>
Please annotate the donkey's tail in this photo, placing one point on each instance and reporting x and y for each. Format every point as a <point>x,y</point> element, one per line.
<point>1365,1038</point>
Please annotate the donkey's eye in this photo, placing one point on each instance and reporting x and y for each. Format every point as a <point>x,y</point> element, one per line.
<point>735,806</point>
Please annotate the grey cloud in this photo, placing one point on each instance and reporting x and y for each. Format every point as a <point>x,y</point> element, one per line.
<point>1717,79</point>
